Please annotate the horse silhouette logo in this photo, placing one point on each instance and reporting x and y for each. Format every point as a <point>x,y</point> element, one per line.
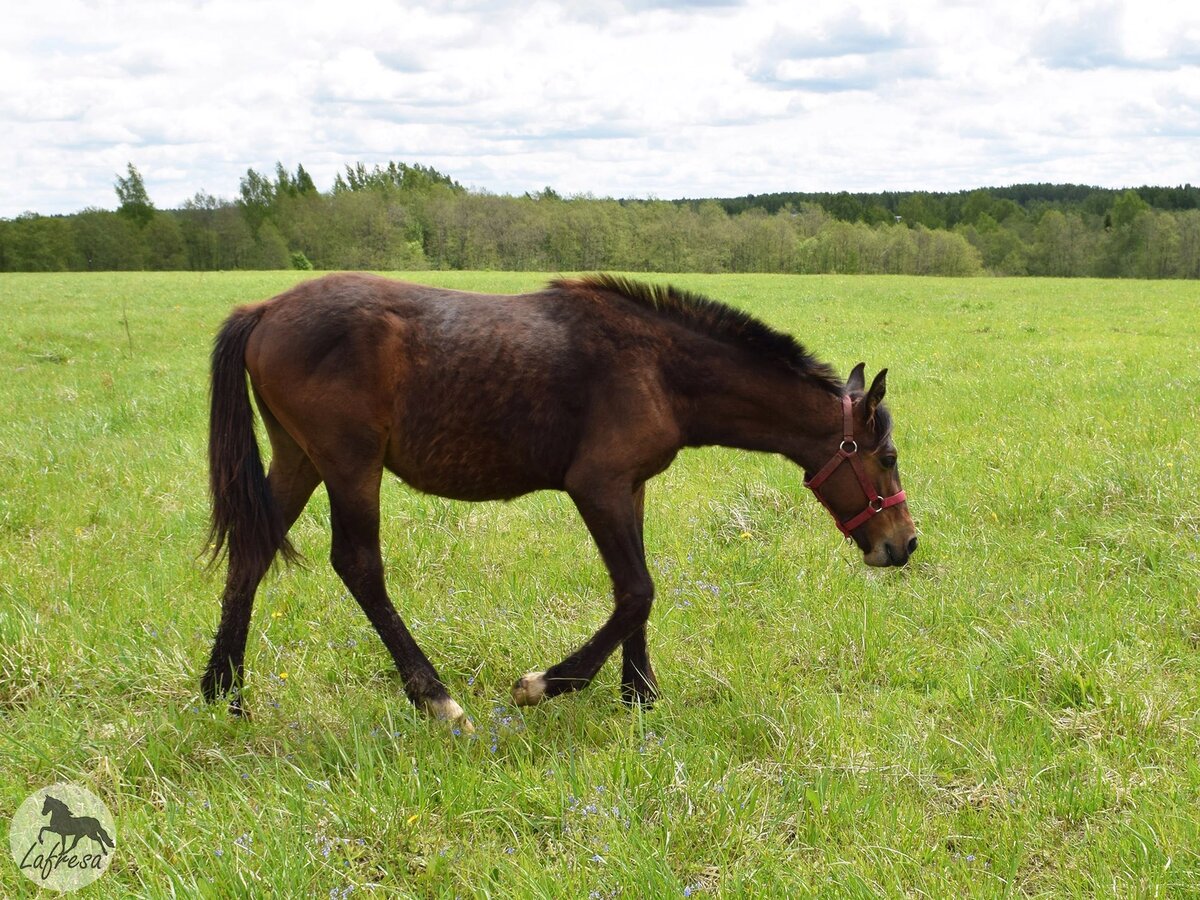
<point>62,837</point>
<point>65,824</point>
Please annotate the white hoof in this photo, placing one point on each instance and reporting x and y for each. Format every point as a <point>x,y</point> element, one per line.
<point>451,712</point>
<point>530,689</point>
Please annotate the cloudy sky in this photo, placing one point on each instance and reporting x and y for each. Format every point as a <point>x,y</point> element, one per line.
<point>662,98</point>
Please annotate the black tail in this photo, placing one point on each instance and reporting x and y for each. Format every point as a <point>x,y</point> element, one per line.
<point>245,518</point>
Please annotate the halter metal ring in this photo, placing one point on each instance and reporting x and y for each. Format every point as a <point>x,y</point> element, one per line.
<point>848,446</point>
<point>876,504</point>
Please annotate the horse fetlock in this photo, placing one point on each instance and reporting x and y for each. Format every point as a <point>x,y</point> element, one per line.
<point>530,689</point>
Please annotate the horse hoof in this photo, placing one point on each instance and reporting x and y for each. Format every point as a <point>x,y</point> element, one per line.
<point>632,697</point>
<point>238,708</point>
<point>449,711</point>
<point>530,689</point>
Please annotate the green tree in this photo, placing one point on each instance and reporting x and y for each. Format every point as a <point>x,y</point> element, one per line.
<point>1124,251</point>
<point>922,208</point>
<point>303,182</point>
<point>106,241</point>
<point>1001,250</point>
<point>306,226</point>
<point>1126,208</point>
<point>41,244</point>
<point>838,248</point>
<point>134,202</point>
<point>1060,246</point>
<point>165,249</point>
<point>236,248</point>
<point>899,249</point>
<point>977,205</point>
<point>365,231</point>
<point>1159,239</point>
<point>270,249</point>
<point>198,228</point>
<point>284,185</point>
<point>257,195</point>
<point>944,253</point>
<point>1189,243</point>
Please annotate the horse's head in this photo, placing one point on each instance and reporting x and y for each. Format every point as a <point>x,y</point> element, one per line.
<point>860,483</point>
<point>51,804</point>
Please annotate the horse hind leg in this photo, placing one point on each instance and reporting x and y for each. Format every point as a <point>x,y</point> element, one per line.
<point>638,684</point>
<point>95,831</point>
<point>356,557</point>
<point>292,478</point>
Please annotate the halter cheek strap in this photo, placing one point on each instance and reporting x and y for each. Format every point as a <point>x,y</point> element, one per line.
<point>848,451</point>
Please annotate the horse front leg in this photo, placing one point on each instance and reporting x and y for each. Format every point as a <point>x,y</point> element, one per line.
<point>610,514</point>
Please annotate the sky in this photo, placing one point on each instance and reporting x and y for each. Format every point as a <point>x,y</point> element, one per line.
<point>641,98</point>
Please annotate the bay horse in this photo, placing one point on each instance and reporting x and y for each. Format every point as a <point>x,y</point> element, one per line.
<point>590,386</point>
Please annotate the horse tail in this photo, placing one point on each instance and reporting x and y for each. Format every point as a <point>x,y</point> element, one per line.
<point>103,838</point>
<point>246,520</point>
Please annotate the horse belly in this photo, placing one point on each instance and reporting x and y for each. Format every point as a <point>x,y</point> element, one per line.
<point>468,467</point>
<point>480,445</point>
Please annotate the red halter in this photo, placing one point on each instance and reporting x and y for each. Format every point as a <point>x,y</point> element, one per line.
<point>848,450</point>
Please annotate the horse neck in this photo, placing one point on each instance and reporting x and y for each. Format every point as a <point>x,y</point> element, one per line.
<point>729,400</point>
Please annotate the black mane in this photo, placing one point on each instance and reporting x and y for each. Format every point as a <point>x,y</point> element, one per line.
<point>716,320</point>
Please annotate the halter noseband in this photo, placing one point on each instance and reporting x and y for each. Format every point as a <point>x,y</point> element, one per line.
<point>848,450</point>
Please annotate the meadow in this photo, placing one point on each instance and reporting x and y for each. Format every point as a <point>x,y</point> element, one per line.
<point>1016,713</point>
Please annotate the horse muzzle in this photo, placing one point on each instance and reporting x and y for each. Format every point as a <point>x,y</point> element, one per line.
<point>891,551</point>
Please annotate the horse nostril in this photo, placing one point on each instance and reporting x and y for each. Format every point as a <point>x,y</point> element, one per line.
<point>912,546</point>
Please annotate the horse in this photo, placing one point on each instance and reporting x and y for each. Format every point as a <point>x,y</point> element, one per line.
<point>65,824</point>
<point>590,386</point>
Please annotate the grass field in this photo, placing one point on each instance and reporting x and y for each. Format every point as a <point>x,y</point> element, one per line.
<point>1015,713</point>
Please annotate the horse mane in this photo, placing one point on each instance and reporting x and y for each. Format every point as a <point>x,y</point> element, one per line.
<point>715,320</point>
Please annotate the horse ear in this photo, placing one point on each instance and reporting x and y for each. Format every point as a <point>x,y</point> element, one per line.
<point>875,394</point>
<point>858,379</point>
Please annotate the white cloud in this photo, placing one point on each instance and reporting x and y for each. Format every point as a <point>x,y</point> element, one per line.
<point>635,98</point>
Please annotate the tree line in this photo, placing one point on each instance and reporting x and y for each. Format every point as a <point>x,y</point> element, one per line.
<point>404,216</point>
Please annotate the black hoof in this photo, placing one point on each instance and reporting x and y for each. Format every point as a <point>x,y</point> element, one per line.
<point>238,710</point>
<point>217,683</point>
<point>636,695</point>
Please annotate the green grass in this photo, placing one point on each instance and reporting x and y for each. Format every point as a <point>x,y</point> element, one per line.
<point>1016,713</point>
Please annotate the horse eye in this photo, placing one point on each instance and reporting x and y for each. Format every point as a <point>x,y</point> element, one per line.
<point>888,462</point>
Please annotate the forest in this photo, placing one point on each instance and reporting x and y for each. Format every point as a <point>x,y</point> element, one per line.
<point>410,216</point>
